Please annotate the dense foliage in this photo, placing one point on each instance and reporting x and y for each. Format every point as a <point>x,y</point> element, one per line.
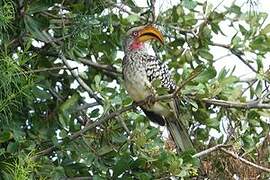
<point>64,111</point>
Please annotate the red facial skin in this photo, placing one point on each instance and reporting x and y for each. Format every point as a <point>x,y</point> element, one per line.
<point>136,45</point>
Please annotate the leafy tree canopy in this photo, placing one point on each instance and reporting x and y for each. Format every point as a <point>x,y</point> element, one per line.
<point>64,111</point>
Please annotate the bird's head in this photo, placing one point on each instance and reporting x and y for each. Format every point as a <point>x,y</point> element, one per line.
<point>137,36</point>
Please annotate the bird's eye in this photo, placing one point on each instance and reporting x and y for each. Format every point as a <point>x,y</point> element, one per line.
<point>135,33</point>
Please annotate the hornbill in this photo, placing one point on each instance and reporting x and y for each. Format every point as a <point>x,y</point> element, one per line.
<point>140,71</point>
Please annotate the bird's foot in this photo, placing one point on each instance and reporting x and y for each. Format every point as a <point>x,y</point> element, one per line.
<point>150,100</point>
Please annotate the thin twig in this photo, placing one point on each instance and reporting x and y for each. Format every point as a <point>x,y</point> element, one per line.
<point>108,69</point>
<point>121,8</point>
<point>244,160</point>
<point>80,80</point>
<point>87,128</point>
<point>235,52</point>
<point>80,178</point>
<point>250,84</point>
<point>222,148</point>
<point>56,95</point>
<point>153,2</point>
<point>207,151</point>
<point>75,75</point>
<point>232,104</point>
<point>221,57</point>
<point>86,106</point>
<point>124,125</point>
<point>44,70</point>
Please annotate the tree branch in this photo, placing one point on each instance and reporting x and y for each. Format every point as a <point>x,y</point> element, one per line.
<point>235,52</point>
<point>80,80</point>
<point>44,70</point>
<point>244,160</point>
<point>231,104</point>
<point>108,69</point>
<point>124,125</point>
<point>207,151</point>
<point>152,6</point>
<point>86,106</point>
<point>75,75</point>
<point>87,128</point>
<point>221,147</point>
<point>80,178</point>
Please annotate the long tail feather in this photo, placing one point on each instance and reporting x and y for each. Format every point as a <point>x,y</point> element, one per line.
<point>179,134</point>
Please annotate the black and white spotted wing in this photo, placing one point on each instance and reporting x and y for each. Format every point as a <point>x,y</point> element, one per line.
<point>156,70</point>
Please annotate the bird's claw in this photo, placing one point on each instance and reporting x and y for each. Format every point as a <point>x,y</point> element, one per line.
<point>150,100</point>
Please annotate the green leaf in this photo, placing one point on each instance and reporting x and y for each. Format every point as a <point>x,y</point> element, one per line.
<point>5,136</point>
<point>179,10</point>
<point>258,89</point>
<point>97,177</point>
<point>12,147</point>
<point>189,4</point>
<point>121,165</point>
<point>235,9</point>
<point>204,53</point>
<point>144,176</point>
<point>38,6</point>
<point>67,108</point>
<point>153,133</point>
<point>228,80</point>
<point>243,30</point>
<point>34,27</point>
<point>259,61</point>
<point>133,18</point>
<point>206,75</point>
<point>140,162</point>
<point>266,29</point>
<point>202,116</point>
<point>117,100</point>
<point>212,122</point>
<point>236,41</point>
<point>104,150</point>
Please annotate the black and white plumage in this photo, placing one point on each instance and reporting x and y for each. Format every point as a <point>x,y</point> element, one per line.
<point>140,70</point>
<point>156,70</point>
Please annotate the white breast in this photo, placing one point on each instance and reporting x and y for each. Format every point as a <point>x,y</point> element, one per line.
<point>136,85</point>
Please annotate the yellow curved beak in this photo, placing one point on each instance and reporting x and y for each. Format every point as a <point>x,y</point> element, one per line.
<point>150,32</point>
